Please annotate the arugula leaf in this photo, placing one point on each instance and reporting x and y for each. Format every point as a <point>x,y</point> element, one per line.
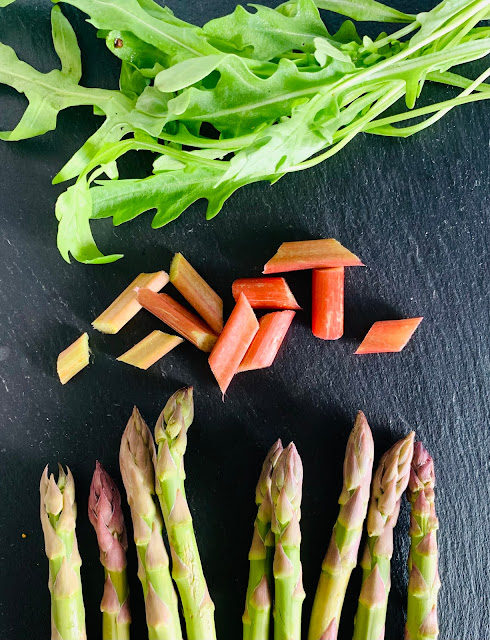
<point>50,93</point>
<point>253,101</point>
<point>267,32</point>
<point>73,210</point>
<point>66,45</point>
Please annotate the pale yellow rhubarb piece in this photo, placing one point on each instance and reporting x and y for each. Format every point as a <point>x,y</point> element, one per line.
<point>73,359</point>
<point>149,350</point>
<point>126,305</point>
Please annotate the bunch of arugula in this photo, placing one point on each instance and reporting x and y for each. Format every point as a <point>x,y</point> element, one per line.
<point>250,96</point>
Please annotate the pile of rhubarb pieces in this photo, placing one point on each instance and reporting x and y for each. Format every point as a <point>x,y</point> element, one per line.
<point>244,342</point>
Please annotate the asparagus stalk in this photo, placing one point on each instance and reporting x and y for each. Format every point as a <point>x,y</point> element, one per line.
<point>105,514</point>
<point>136,458</point>
<point>287,480</point>
<point>256,618</point>
<point>171,437</point>
<point>341,557</point>
<point>423,584</point>
<point>58,515</point>
<point>389,483</point>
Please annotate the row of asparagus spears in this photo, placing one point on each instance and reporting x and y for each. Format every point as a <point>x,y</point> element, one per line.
<point>153,475</point>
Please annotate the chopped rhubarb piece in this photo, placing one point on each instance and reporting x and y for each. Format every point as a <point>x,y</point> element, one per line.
<point>267,342</point>
<point>197,292</point>
<point>388,336</point>
<point>311,254</point>
<point>266,293</point>
<point>328,303</point>
<point>73,359</point>
<point>149,350</point>
<point>126,306</point>
<point>233,343</point>
<point>190,326</point>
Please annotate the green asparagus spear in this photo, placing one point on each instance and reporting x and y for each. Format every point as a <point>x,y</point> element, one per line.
<point>287,480</point>
<point>256,618</point>
<point>58,515</point>
<point>105,514</point>
<point>341,557</point>
<point>389,483</point>
<point>171,437</point>
<point>136,458</point>
<point>423,584</point>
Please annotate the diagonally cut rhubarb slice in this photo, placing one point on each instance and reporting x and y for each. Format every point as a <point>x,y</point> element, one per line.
<point>311,254</point>
<point>388,336</point>
<point>149,350</point>
<point>73,359</point>
<point>190,326</point>
<point>265,293</point>
<point>233,343</point>
<point>267,342</point>
<point>197,292</point>
<point>126,305</point>
<point>327,317</point>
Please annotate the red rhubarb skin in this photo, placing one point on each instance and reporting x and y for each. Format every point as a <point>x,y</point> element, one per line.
<point>266,293</point>
<point>273,328</point>
<point>233,343</point>
<point>389,336</point>
<point>311,254</point>
<point>328,303</point>
<point>197,292</point>
<point>173,314</point>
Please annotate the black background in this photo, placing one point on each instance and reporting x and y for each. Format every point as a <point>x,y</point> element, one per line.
<point>415,210</point>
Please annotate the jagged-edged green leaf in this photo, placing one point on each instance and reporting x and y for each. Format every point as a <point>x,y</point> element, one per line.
<point>66,45</point>
<point>169,192</point>
<point>48,94</point>
<point>253,101</point>
<point>164,32</point>
<point>267,32</point>
<point>73,210</point>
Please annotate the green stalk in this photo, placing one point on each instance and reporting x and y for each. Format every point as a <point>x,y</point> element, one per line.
<point>136,458</point>
<point>105,514</point>
<point>389,483</point>
<point>341,557</point>
<point>58,515</point>
<point>171,437</point>
<point>256,618</point>
<point>424,583</point>
<point>287,480</point>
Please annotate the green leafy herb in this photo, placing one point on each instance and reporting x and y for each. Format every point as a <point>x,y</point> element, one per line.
<point>250,96</point>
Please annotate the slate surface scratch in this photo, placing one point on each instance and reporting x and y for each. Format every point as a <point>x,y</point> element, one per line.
<point>415,210</point>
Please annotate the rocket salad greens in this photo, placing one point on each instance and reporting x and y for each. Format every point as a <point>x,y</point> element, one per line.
<point>279,92</point>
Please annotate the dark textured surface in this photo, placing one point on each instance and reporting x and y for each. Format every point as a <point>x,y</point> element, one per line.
<point>416,211</point>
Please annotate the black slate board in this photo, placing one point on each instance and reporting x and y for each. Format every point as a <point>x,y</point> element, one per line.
<point>416,211</point>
